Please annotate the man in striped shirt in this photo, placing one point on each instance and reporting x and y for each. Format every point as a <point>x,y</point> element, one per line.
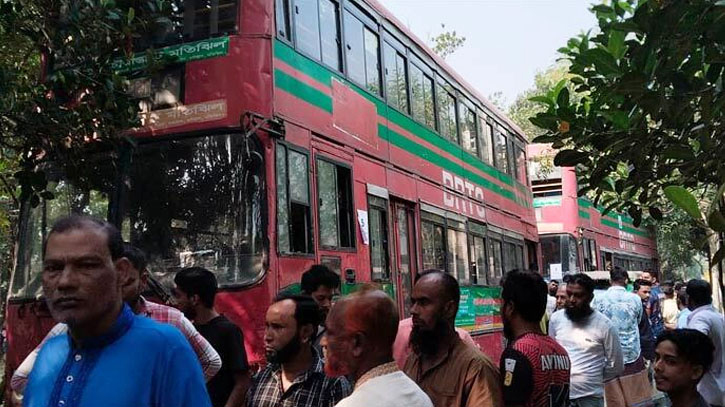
<point>136,283</point>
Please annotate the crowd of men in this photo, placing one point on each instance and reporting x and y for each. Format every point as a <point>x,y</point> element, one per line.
<point>565,346</point>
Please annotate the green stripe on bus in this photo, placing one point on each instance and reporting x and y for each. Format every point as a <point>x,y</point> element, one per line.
<point>584,214</point>
<point>634,231</point>
<point>324,76</point>
<point>303,90</point>
<point>625,219</point>
<point>405,143</point>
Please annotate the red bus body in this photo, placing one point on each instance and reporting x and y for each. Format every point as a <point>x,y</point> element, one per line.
<point>323,114</point>
<point>595,241</point>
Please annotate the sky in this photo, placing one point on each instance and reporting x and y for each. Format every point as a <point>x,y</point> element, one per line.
<point>507,41</point>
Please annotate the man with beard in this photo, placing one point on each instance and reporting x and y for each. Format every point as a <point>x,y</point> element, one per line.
<point>591,341</point>
<point>624,310</point>
<point>294,375</point>
<point>451,372</point>
<point>194,290</point>
<point>322,284</point>
<point>535,369</point>
<point>360,333</point>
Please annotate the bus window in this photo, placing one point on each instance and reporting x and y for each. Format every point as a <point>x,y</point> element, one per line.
<point>378,225</point>
<point>495,261</point>
<point>447,113</point>
<point>330,34</point>
<point>469,135</point>
<point>434,248</point>
<point>167,212</point>
<point>458,254</point>
<point>282,9</point>
<point>396,81</point>
<point>363,53</point>
<point>307,27</point>
<point>502,155</point>
<point>84,189</point>
<point>487,141</point>
<point>421,86</point>
<point>294,222</point>
<point>334,188</point>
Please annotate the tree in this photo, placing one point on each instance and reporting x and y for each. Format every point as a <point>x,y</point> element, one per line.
<point>650,125</point>
<point>544,82</point>
<point>447,42</point>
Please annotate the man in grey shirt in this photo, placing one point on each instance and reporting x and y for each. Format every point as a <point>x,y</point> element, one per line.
<point>591,341</point>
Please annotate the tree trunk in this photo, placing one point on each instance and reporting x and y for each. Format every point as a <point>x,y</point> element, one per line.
<point>715,271</point>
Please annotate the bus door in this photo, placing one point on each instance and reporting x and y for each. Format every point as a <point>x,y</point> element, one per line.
<point>404,260</point>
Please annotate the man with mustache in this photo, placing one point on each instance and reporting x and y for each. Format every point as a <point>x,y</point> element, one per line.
<point>135,284</point>
<point>109,356</point>
<point>294,375</point>
<point>359,341</point>
<point>451,372</point>
<point>591,341</point>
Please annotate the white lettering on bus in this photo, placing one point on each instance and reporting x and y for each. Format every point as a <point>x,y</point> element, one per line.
<point>466,188</point>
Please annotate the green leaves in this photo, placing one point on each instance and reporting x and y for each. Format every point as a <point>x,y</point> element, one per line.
<point>570,158</point>
<point>684,200</point>
<point>602,60</point>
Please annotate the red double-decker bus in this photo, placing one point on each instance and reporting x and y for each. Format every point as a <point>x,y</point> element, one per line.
<point>574,234</point>
<point>288,133</point>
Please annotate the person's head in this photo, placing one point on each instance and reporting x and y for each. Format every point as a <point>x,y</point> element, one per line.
<point>138,276</point>
<point>290,326</point>
<point>194,289</point>
<point>524,300</point>
<point>618,276</point>
<point>361,330</point>
<point>682,357</point>
<point>668,289</point>
<point>682,298</point>
<point>561,297</point>
<point>643,288</point>
<point>83,271</point>
<point>649,275</point>
<point>699,293</point>
<point>434,304</point>
<point>580,293</point>
<point>553,287</point>
<point>322,284</point>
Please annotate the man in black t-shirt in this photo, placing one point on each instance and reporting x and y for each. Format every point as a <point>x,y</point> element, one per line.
<point>194,291</point>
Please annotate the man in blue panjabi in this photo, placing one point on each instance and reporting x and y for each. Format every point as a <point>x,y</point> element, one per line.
<point>110,357</point>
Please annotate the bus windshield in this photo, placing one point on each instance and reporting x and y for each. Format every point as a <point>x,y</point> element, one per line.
<point>184,202</point>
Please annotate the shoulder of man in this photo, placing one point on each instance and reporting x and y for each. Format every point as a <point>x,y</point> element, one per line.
<point>155,332</point>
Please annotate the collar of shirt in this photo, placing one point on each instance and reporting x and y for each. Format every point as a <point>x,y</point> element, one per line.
<point>380,370</point>
<point>440,359</point>
<point>120,327</point>
<point>616,288</point>
<point>317,367</point>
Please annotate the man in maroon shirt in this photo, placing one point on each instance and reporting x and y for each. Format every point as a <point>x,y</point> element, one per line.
<point>534,368</point>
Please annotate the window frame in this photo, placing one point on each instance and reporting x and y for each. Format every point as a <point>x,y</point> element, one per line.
<point>385,209</point>
<point>442,85</point>
<point>468,105</point>
<point>399,49</point>
<point>428,74</point>
<point>308,154</point>
<point>353,228</point>
<point>480,230</point>
<point>368,22</point>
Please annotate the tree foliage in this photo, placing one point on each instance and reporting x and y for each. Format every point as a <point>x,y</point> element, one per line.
<point>652,111</point>
<point>58,92</point>
<point>447,42</point>
<point>544,82</point>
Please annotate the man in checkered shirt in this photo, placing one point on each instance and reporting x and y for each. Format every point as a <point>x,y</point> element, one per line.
<point>294,375</point>
<point>208,357</point>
